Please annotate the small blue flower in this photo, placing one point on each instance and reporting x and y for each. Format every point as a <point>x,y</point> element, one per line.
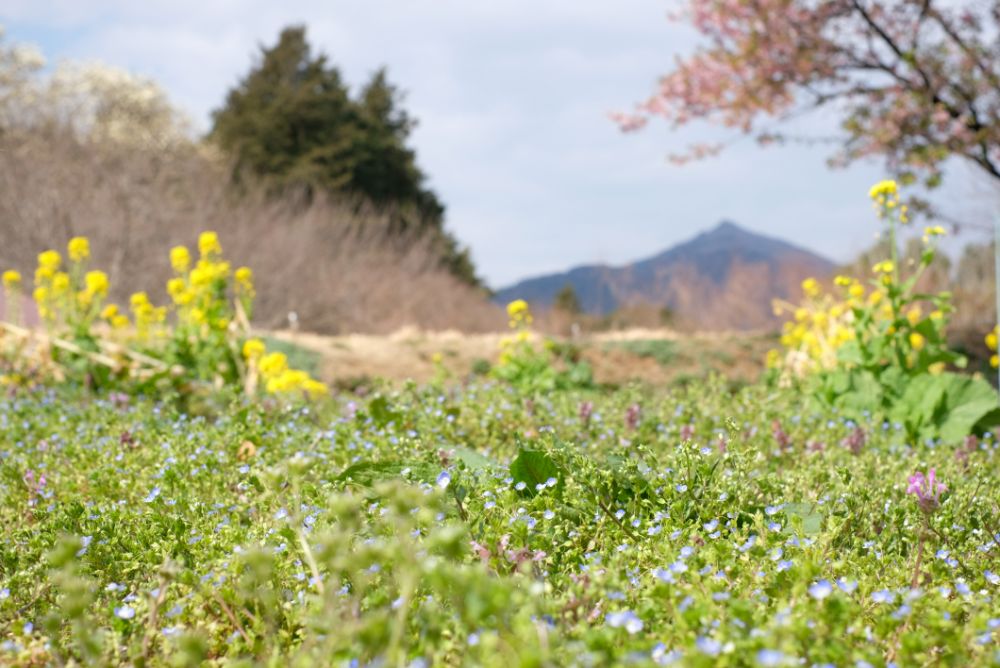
<point>883,596</point>
<point>125,612</point>
<point>709,646</point>
<point>664,575</point>
<point>992,577</point>
<point>443,479</point>
<point>846,586</point>
<point>624,619</point>
<point>770,657</point>
<point>821,589</point>
<point>662,657</point>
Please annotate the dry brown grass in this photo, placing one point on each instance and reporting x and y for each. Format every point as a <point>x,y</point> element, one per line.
<point>338,266</point>
<point>617,358</point>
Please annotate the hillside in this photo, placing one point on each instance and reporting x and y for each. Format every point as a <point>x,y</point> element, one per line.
<point>724,278</point>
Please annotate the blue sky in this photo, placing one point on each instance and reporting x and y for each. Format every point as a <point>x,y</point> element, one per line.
<point>512,99</point>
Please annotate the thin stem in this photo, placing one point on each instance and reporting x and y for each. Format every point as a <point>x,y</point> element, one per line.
<point>920,557</point>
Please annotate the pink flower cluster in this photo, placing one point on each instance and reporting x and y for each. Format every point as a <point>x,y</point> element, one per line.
<point>927,489</point>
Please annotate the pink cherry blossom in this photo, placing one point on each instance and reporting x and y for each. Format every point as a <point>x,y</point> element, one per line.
<point>913,82</point>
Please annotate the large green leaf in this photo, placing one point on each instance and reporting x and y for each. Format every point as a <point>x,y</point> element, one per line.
<point>533,467</point>
<point>381,413</point>
<point>475,460</point>
<point>812,521</point>
<point>367,474</point>
<point>970,401</point>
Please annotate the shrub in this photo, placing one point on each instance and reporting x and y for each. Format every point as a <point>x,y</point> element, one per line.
<point>882,348</point>
<point>200,340</point>
<point>531,368</point>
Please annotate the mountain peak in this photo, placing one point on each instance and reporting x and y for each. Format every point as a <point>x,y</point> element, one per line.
<point>724,277</point>
<point>727,226</point>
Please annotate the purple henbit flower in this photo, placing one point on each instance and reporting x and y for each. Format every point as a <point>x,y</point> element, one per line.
<point>970,445</point>
<point>927,489</point>
<point>632,415</point>
<point>855,441</point>
<point>783,440</point>
<point>687,432</point>
<point>586,410</point>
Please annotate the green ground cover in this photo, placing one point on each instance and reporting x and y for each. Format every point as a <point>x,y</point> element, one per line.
<point>473,526</point>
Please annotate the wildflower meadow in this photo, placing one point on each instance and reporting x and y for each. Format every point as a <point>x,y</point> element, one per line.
<point>177,493</point>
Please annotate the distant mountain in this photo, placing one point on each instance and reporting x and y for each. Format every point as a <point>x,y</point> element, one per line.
<point>722,279</point>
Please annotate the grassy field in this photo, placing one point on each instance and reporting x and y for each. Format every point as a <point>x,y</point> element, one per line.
<point>447,524</point>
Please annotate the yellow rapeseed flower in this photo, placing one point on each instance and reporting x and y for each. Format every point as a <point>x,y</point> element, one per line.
<point>244,275</point>
<point>991,339</point>
<point>109,311</point>
<point>79,249</point>
<point>273,365</point>
<point>180,259</point>
<point>96,283</point>
<point>935,231</point>
<point>810,287</point>
<point>175,287</point>
<point>49,261</point>
<point>517,308</point>
<point>884,189</point>
<point>11,279</point>
<point>916,340</point>
<point>139,300</point>
<point>884,267</point>
<point>208,244</point>
<point>253,349</point>
<point>60,283</point>
<point>315,388</point>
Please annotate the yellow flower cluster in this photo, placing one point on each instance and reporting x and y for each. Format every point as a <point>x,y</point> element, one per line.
<point>931,232</point>
<point>71,296</point>
<point>991,343</point>
<point>147,317</point>
<point>278,377</point>
<point>519,314</point>
<point>199,292</point>
<point>114,317</point>
<point>817,330</point>
<point>79,249</point>
<point>11,279</point>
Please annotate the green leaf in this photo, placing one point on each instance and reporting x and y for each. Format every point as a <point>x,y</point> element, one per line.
<point>533,467</point>
<point>475,461</point>
<point>812,521</point>
<point>367,474</point>
<point>381,414</point>
<point>969,402</point>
